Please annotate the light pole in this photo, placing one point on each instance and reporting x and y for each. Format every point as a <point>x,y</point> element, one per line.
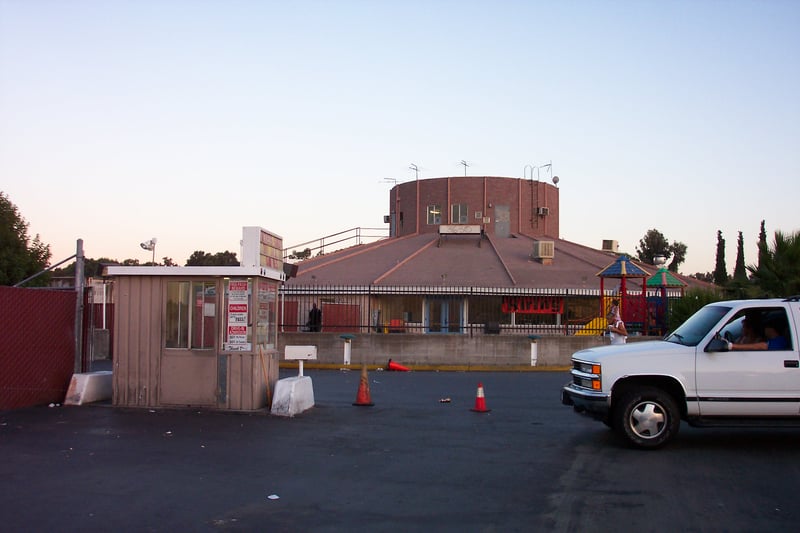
<point>151,247</point>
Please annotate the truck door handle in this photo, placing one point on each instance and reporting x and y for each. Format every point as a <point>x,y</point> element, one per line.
<point>791,363</point>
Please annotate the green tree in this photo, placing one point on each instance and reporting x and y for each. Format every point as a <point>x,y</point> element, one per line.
<point>739,286</point>
<point>762,242</point>
<point>305,254</point>
<point>201,258</point>
<point>704,276</point>
<point>682,308</point>
<point>92,268</point>
<point>778,272</point>
<point>678,250</point>
<point>739,271</point>
<point>720,270</point>
<point>20,257</point>
<point>654,244</point>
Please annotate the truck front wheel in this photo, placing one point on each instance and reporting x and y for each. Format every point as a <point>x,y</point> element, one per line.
<point>647,417</point>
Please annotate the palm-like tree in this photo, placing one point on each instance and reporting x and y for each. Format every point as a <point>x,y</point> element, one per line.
<point>778,272</point>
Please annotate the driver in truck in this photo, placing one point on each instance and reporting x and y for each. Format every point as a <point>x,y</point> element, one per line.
<point>776,340</point>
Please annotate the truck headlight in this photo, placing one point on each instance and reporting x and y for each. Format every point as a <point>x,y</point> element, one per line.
<point>587,375</point>
<point>588,368</point>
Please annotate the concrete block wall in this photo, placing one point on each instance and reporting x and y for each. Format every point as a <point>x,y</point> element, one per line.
<point>409,349</point>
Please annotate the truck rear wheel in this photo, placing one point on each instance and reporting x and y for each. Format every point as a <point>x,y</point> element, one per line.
<point>647,417</point>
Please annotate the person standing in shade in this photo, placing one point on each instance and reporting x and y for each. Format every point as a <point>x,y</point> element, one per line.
<point>315,318</point>
<point>616,329</point>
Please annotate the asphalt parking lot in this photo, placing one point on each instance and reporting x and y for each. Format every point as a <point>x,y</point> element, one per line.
<point>412,462</point>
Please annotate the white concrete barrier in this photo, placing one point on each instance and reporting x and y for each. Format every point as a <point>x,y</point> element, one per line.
<point>89,387</point>
<point>294,395</point>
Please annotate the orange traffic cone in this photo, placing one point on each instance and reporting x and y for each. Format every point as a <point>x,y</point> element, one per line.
<point>363,398</point>
<point>480,401</point>
<point>394,366</point>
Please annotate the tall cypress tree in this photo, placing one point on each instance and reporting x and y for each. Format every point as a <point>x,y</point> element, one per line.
<point>739,272</point>
<point>720,271</point>
<point>763,249</point>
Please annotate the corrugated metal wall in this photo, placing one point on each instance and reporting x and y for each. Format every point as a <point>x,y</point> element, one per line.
<point>137,340</point>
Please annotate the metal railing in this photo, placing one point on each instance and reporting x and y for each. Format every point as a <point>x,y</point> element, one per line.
<point>457,310</point>
<point>353,236</point>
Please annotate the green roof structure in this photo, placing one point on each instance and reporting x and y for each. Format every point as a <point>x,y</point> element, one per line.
<point>664,278</point>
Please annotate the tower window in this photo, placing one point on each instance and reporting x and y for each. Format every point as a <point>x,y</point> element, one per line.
<point>458,214</point>
<point>434,214</point>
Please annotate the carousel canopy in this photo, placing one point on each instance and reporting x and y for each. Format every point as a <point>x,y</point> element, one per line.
<point>623,267</point>
<point>664,278</point>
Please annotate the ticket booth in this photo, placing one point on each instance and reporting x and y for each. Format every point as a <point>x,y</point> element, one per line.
<point>199,336</point>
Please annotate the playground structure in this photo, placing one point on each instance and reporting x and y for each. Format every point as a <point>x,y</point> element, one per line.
<point>658,306</point>
<point>640,312</point>
<point>632,307</point>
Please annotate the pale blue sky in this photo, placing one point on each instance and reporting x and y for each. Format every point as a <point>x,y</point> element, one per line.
<point>186,120</point>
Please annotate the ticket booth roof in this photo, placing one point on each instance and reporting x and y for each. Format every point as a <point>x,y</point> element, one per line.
<point>197,271</point>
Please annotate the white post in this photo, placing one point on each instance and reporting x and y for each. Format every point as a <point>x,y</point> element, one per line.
<point>534,349</point>
<point>347,351</point>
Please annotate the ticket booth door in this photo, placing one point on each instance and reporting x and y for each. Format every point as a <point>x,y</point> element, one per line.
<point>189,362</point>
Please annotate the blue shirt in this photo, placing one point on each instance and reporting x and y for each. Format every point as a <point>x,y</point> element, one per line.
<point>778,343</point>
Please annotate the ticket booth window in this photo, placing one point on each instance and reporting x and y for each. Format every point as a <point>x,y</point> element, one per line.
<point>266,313</point>
<point>191,315</point>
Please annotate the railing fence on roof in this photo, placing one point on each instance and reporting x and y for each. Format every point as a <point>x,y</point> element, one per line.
<point>353,236</point>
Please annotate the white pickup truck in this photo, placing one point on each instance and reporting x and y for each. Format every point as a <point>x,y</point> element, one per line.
<point>703,373</point>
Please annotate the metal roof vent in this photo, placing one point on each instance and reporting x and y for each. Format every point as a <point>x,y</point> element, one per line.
<point>544,251</point>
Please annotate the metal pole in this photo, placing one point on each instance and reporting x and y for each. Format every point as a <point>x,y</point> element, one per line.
<point>79,290</point>
<point>104,304</point>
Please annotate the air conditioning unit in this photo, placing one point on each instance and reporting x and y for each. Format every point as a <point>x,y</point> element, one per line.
<point>542,211</point>
<point>387,219</point>
<point>610,246</point>
<point>544,250</point>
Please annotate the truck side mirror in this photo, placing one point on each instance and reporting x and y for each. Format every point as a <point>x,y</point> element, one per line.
<point>717,344</point>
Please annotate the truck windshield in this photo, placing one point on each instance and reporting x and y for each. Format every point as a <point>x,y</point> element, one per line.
<point>691,332</point>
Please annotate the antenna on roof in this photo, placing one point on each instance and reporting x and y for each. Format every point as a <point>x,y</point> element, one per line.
<point>415,168</point>
<point>465,166</point>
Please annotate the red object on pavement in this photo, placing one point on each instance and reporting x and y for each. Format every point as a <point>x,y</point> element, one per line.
<point>480,401</point>
<point>363,398</point>
<point>396,367</point>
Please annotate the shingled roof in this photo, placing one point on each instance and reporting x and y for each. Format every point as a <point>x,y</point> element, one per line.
<point>421,260</point>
